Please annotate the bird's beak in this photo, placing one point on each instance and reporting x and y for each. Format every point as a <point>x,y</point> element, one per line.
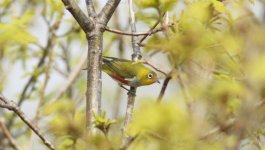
<point>158,81</point>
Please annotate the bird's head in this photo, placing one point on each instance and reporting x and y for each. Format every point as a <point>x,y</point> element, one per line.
<point>147,77</point>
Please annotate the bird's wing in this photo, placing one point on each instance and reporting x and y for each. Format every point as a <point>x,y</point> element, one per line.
<point>120,67</point>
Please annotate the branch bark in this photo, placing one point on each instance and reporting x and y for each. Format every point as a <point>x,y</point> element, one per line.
<point>93,26</point>
<point>136,48</point>
<point>8,104</point>
<point>136,55</point>
<point>87,24</point>
<point>132,92</point>
<point>93,95</point>
<point>90,8</point>
<point>107,11</point>
<point>129,109</point>
<point>145,34</point>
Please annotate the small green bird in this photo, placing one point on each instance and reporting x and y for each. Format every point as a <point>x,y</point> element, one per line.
<point>126,72</point>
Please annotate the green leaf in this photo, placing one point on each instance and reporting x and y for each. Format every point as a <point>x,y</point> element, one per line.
<point>67,143</point>
<point>103,123</point>
<point>15,33</point>
<point>22,36</point>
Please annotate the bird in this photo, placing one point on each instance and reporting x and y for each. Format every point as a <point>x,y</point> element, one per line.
<point>127,72</point>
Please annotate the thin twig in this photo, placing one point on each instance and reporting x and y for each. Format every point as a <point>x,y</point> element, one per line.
<point>66,59</point>
<point>8,134</point>
<point>147,63</point>
<point>135,56</point>
<point>59,70</point>
<point>46,79</point>
<point>145,34</point>
<point>132,92</point>
<point>184,87</point>
<point>215,130</point>
<point>126,143</point>
<point>129,109</point>
<point>8,104</point>
<point>163,89</point>
<point>151,30</point>
<point>53,29</point>
<point>133,33</point>
<point>157,136</point>
<point>66,56</point>
<point>32,81</point>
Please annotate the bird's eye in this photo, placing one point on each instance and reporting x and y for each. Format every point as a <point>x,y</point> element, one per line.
<point>150,75</point>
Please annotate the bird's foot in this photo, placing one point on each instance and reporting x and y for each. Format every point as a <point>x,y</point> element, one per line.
<point>124,87</point>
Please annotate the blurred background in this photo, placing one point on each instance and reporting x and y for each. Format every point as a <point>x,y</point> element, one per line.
<point>213,52</point>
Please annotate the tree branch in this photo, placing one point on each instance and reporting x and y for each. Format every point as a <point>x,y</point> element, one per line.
<point>94,85</point>
<point>136,48</point>
<point>31,82</point>
<point>90,8</point>
<point>53,29</point>
<point>8,134</point>
<point>129,109</point>
<point>107,11</point>
<point>135,56</point>
<point>126,144</point>
<point>229,123</point>
<point>132,92</point>
<point>85,23</point>
<point>133,33</point>
<point>93,28</point>
<point>163,89</point>
<point>144,34</point>
<point>8,104</point>
<point>151,30</point>
<point>184,87</point>
<point>147,63</point>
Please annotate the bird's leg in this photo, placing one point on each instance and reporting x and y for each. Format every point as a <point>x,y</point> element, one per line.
<point>124,87</point>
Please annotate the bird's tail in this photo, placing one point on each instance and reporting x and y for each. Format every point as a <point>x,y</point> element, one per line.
<point>107,59</point>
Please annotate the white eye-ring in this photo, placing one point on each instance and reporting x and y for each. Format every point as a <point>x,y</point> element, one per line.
<point>150,75</point>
